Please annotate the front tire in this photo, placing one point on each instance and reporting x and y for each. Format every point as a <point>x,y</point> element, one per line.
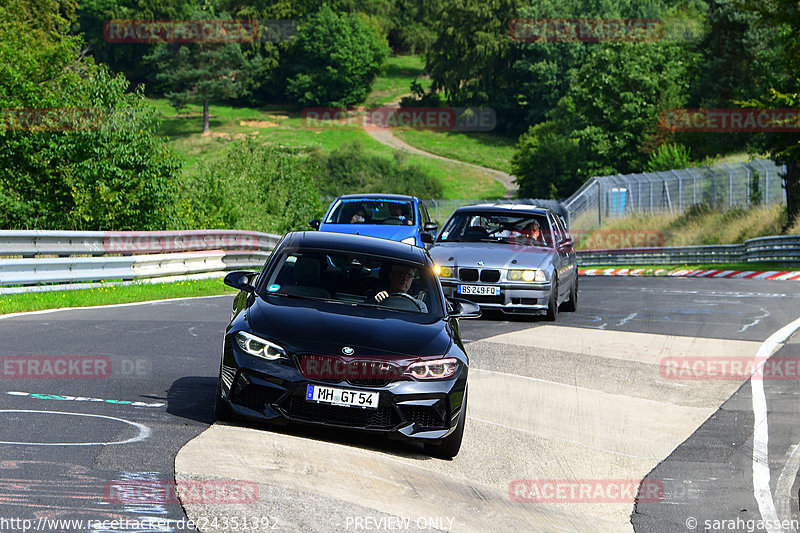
<point>552,305</point>
<point>222,411</point>
<point>450,445</point>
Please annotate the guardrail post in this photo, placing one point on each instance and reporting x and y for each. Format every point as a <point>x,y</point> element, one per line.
<point>599,204</point>
<point>747,191</point>
<point>730,184</point>
<point>680,191</point>
<point>694,179</point>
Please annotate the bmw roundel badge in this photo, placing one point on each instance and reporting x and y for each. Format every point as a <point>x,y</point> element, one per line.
<point>347,350</point>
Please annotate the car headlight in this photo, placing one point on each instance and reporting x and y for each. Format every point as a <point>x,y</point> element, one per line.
<point>258,347</point>
<point>435,369</point>
<point>411,240</point>
<point>443,271</point>
<point>526,275</point>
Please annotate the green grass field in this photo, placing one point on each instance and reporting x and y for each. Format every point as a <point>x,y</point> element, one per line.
<point>395,81</point>
<point>111,294</point>
<point>478,148</point>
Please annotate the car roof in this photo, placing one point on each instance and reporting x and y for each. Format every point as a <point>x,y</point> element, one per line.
<point>346,242</point>
<point>373,196</point>
<point>504,208</point>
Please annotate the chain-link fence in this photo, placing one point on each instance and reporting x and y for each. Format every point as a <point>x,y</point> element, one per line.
<point>673,191</point>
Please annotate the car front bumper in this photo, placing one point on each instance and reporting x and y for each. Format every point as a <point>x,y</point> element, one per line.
<point>275,392</point>
<point>514,298</point>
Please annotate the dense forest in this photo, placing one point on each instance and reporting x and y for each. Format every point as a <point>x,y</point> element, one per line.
<point>576,109</point>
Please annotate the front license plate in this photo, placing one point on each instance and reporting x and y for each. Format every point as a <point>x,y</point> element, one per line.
<point>484,290</point>
<point>343,397</point>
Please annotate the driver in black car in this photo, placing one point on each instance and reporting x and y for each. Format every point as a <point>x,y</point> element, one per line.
<point>400,279</point>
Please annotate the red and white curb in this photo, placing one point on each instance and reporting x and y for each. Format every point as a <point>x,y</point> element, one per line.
<point>688,273</point>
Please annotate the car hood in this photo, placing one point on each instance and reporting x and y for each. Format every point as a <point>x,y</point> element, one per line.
<point>493,255</point>
<point>394,232</point>
<point>326,328</point>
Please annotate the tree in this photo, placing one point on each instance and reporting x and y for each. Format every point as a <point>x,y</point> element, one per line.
<point>607,120</point>
<point>782,17</point>
<point>199,73</point>
<point>335,60</point>
<point>98,164</point>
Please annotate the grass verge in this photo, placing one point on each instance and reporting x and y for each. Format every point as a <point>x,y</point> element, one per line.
<point>478,148</point>
<point>111,294</point>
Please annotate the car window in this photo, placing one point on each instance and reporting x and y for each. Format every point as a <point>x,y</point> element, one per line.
<point>561,226</point>
<point>356,279</point>
<point>497,227</point>
<point>372,211</point>
<point>558,235</point>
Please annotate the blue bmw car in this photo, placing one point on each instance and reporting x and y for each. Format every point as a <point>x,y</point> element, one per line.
<point>387,216</point>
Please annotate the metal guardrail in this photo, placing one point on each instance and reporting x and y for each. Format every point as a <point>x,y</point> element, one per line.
<point>30,243</point>
<point>31,258</point>
<point>778,249</point>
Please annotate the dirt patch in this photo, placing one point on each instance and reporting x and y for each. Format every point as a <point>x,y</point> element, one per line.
<point>258,123</point>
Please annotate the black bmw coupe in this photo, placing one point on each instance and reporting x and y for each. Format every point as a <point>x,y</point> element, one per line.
<point>351,332</point>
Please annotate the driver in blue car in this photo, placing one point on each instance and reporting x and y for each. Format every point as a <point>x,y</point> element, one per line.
<point>400,279</point>
<point>398,211</point>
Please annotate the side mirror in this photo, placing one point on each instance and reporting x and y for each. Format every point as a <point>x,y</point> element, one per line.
<point>314,223</point>
<point>427,238</point>
<point>566,242</point>
<point>463,309</point>
<point>240,279</point>
<point>430,227</point>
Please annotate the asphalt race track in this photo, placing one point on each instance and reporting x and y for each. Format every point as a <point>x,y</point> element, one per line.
<point>567,421</point>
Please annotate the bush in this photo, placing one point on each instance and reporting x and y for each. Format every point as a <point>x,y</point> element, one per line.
<point>254,186</point>
<point>336,59</point>
<point>349,169</point>
<point>667,157</point>
<point>106,169</point>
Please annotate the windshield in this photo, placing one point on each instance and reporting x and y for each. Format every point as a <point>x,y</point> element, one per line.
<point>356,279</point>
<point>523,229</point>
<point>372,211</point>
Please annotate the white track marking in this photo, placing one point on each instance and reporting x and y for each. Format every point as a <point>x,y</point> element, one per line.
<point>627,319</point>
<point>761,474</point>
<point>756,321</point>
<point>144,431</point>
<point>783,488</point>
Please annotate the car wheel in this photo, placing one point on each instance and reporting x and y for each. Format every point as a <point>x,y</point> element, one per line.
<point>221,409</point>
<point>571,305</point>
<point>552,305</point>
<point>450,445</point>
